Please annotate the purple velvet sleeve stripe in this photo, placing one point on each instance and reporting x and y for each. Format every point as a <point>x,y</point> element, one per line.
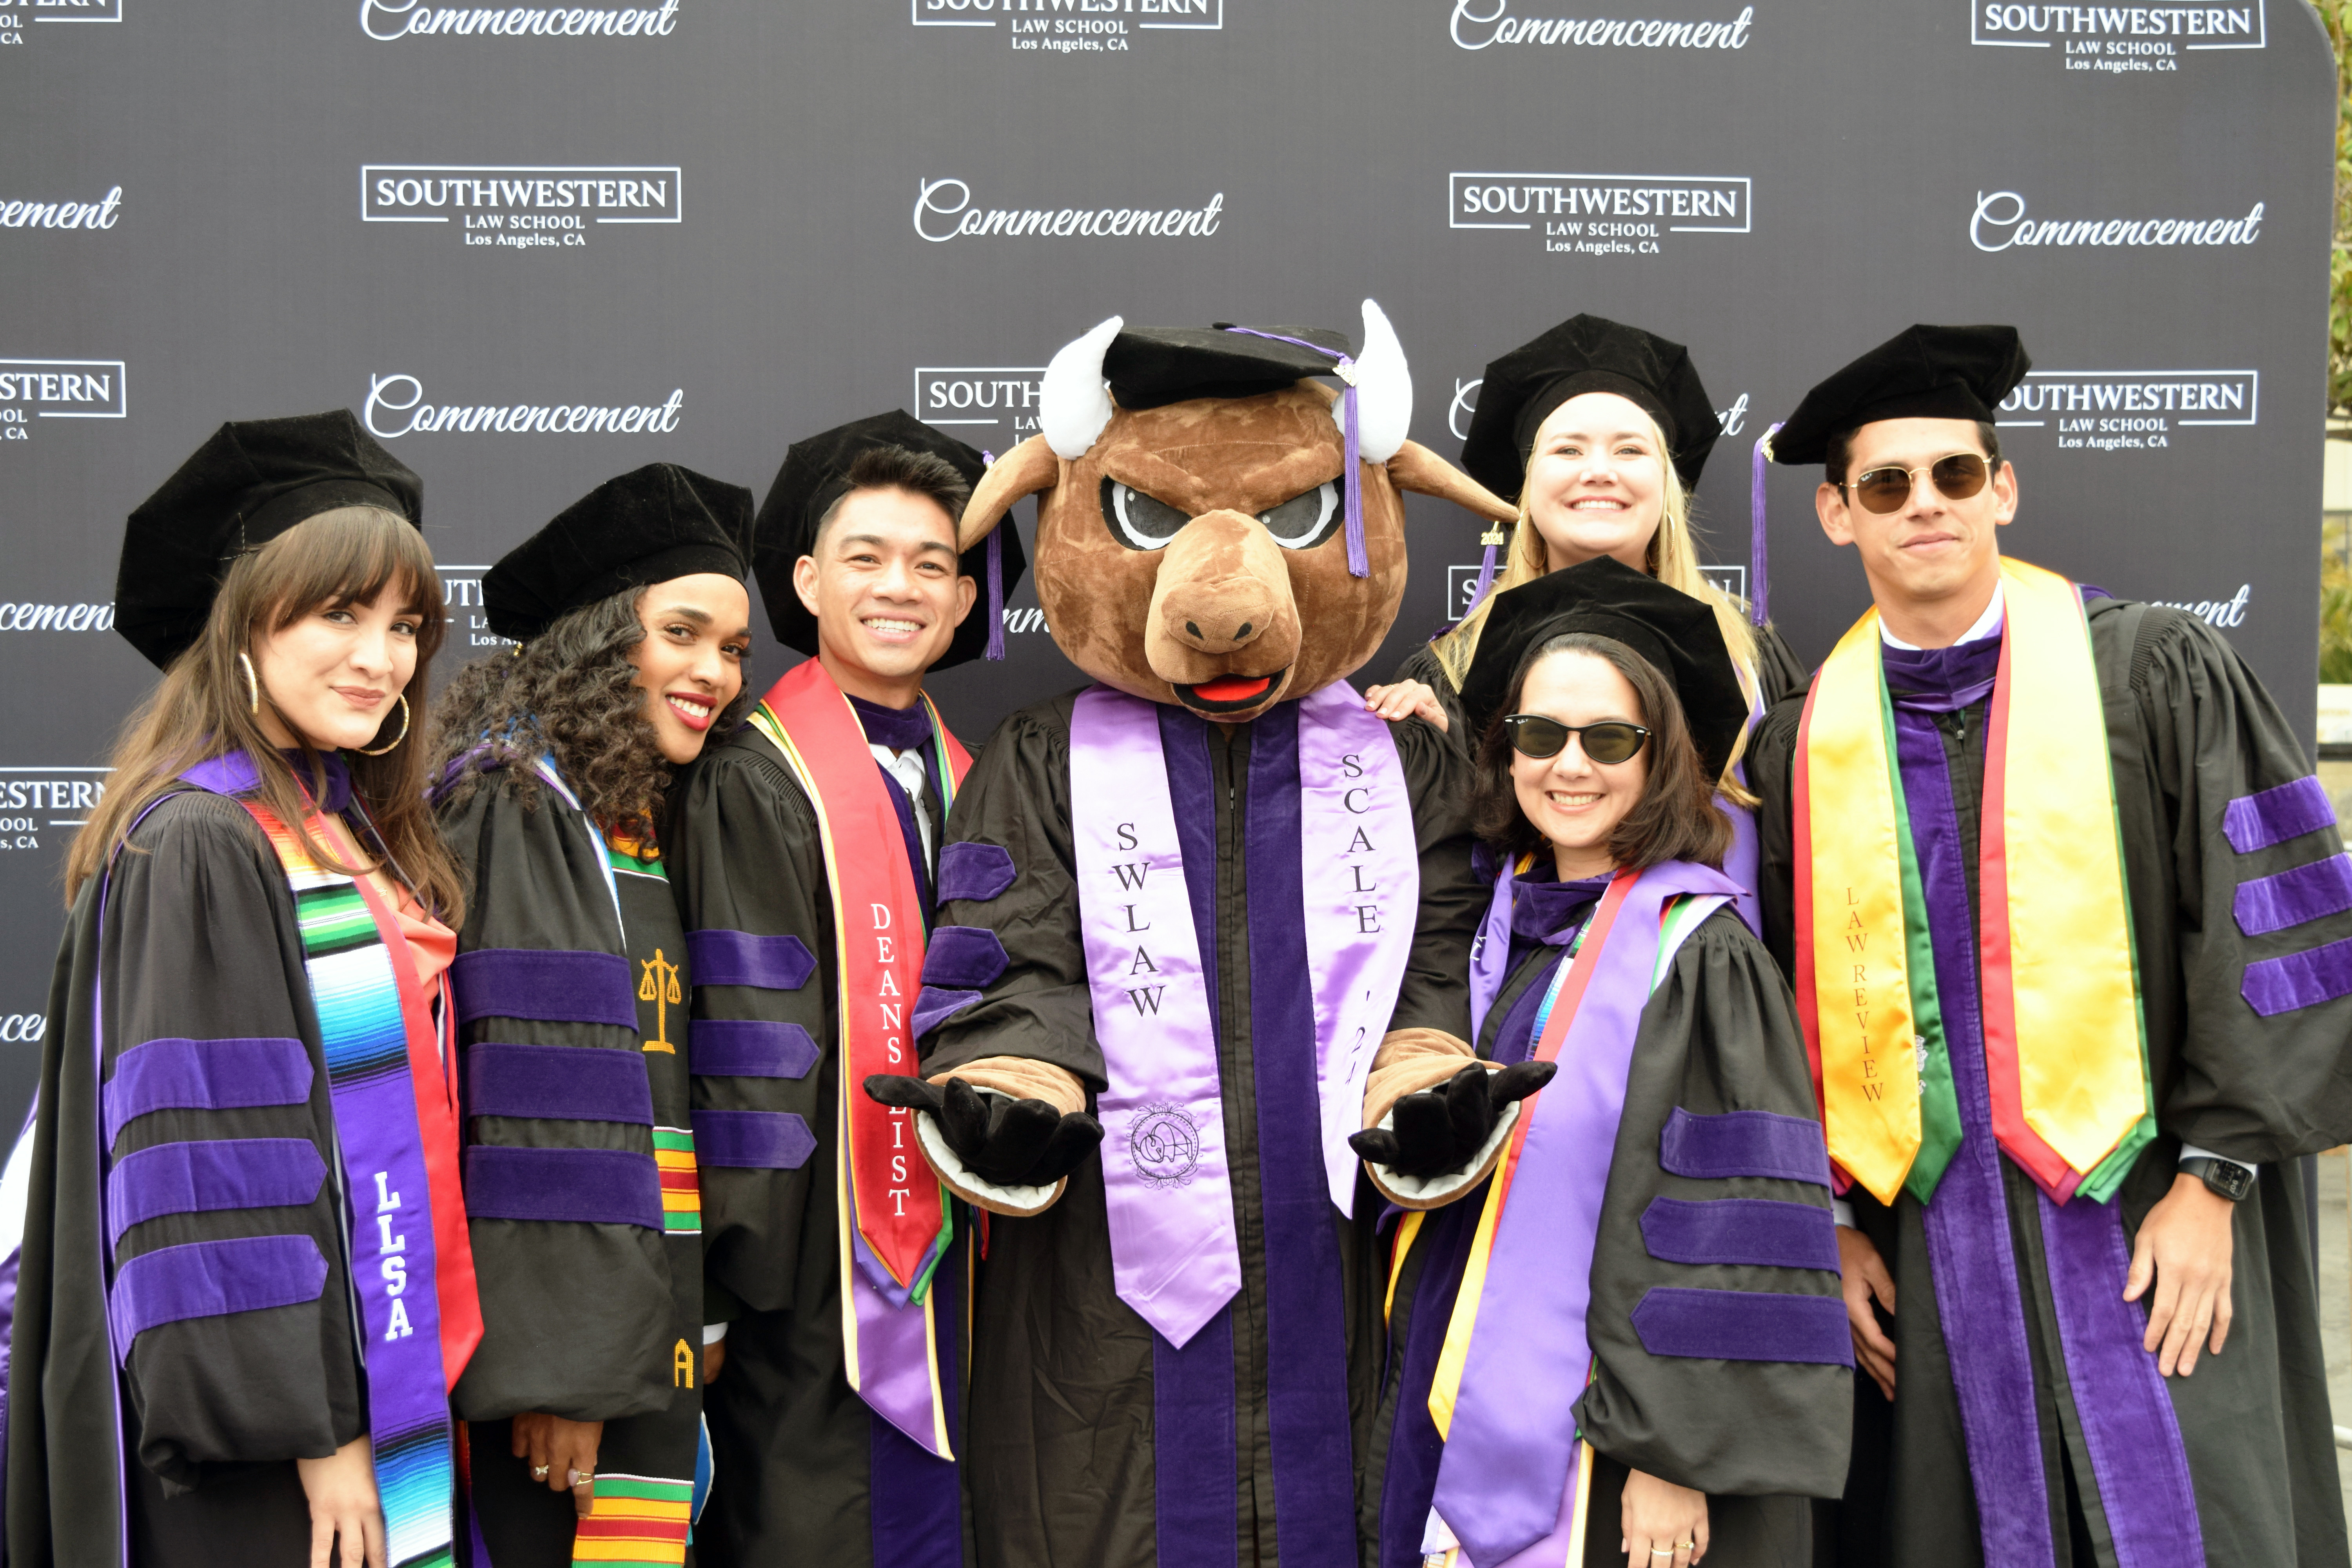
<point>1740,1230</point>
<point>976,871</point>
<point>934,1007</point>
<point>1744,1325</point>
<point>739,958</point>
<point>571,1083</point>
<point>211,1279</point>
<point>590,1186</point>
<point>205,1075</point>
<point>963,958</point>
<point>2291,898</point>
<point>2273,815</point>
<point>746,1048</point>
<point>1744,1143</point>
<point>197,1178</point>
<point>752,1140</point>
<point>555,984</point>
<point>2276,985</point>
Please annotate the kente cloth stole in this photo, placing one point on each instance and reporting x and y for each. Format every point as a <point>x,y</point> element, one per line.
<point>1174,1254</point>
<point>395,1120</point>
<point>895,1223</point>
<point>1517,1356</point>
<point>2065,1043</point>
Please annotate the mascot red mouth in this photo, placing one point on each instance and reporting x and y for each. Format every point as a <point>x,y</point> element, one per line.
<point>1228,693</point>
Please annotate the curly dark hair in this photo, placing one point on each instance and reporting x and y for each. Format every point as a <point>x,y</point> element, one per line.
<point>572,691</point>
<point>1676,817</point>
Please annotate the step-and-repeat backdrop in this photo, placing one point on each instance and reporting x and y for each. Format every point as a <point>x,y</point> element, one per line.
<point>533,246</point>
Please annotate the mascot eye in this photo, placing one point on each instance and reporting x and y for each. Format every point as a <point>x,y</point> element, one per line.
<point>1137,520</point>
<point>1304,520</point>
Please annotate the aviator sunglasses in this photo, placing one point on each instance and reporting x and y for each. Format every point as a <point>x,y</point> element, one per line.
<point>1956,478</point>
<point>1611,741</point>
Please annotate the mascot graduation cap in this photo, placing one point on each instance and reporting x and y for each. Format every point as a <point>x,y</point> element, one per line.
<point>1181,914</point>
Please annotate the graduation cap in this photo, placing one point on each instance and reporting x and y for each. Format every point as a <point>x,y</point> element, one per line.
<point>1921,373</point>
<point>815,474</point>
<point>1151,367</point>
<point>251,482</point>
<point>1586,354</point>
<point>649,526</point>
<point>1677,634</point>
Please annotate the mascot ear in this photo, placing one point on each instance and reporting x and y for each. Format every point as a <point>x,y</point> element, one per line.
<point>1416,467</point>
<point>1024,472</point>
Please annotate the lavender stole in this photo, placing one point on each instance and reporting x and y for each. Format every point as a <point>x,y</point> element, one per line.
<point>1168,1191</point>
<point>1505,1483</point>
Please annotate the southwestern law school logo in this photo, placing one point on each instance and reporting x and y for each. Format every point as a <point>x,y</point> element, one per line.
<point>944,211</point>
<point>2000,223</point>
<point>2129,410</point>
<point>1072,29</point>
<point>1601,215</point>
<point>461,601</point>
<point>33,389</point>
<point>1163,1143</point>
<point>990,406</point>
<point>44,797</point>
<point>1481,24</point>
<point>519,206</point>
<point>2120,40</point>
<point>14,14</point>
<point>385,20</point>
<point>396,406</point>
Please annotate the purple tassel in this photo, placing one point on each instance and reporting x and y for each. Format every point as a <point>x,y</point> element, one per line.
<point>1358,564</point>
<point>996,588</point>
<point>1485,582</point>
<point>1760,585</point>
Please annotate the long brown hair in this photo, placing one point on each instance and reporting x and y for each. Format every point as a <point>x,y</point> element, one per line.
<point>201,708</point>
<point>1676,817</point>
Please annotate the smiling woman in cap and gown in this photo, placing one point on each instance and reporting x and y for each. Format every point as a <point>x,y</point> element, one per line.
<point>832,1257</point>
<point>1600,432</point>
<point>2077,920</point>
<point>244,1287</point>
<point>1614,1328</point>
<point>551,765</point>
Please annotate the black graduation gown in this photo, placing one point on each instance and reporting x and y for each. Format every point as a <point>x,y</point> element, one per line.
<point>1760,1437</point>
<point>2191,732</point>
<point>1775,668</point>
<point>200,944</point>
<point>593,1320</point>
<point>1062,1463</point>
<point>794,1447</point>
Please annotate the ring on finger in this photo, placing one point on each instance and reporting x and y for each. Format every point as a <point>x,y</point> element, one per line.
<point>539,1472</point>
<point>582,1478</point>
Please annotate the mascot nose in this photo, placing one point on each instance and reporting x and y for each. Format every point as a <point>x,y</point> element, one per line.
<point>1221,584</point>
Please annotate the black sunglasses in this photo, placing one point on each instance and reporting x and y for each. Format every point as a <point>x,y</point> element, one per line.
<point>1611,741</point>
<point>1956,478</point>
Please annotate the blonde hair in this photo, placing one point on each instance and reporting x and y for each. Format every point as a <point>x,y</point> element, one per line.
<point>1672,558</point>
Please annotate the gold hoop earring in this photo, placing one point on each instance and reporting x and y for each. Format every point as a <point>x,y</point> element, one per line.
<point>397,739</point>
<point>252,685</point>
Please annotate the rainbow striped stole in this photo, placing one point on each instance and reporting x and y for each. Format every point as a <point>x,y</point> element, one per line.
<point>369,1047</point>
<point>2064,1042</point>
<point>638,1522</point>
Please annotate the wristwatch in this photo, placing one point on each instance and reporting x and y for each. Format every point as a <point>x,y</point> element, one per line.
<point>2223,1178</point>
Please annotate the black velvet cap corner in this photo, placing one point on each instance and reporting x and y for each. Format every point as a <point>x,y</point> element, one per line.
<point>1586,354</point>
<point>1676,633</point>
<point>647,526</point>
<point>249,482</point>
<point>1149,367</point>
<point>1921,373</point>
<point>815,474</point>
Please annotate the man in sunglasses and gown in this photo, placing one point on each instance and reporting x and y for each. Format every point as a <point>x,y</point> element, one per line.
<point>2069,929</point>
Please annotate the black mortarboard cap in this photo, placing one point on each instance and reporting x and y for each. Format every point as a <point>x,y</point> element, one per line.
<point>649,526</point>
<point>1676,633</point>
<point>1921,373</point>
<point>251,482</point>
<point>1149,367</point>
<point>1586,354</point>
<point>815,474</point>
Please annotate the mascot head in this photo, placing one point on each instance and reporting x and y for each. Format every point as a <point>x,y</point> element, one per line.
<point>1214,529</point>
